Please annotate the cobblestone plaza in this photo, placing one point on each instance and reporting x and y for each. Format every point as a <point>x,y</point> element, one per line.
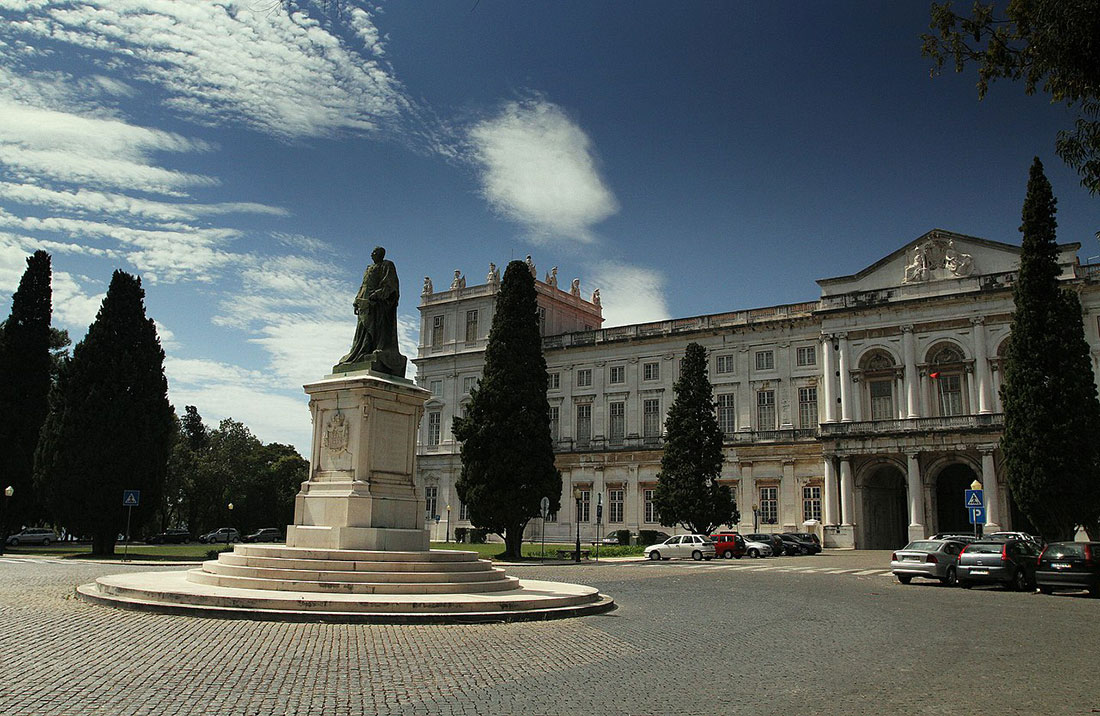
<point>827,634</point>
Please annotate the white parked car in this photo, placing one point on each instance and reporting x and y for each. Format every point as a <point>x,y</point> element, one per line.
<point>757,549</point>
<point>695,546</point>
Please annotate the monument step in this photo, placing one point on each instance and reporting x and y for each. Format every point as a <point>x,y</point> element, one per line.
<point>355,555</point>
<point>329,565</point>
<point>312,575</point>
<point>199,576</point>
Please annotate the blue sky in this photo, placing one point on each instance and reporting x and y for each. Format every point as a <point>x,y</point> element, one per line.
<point>244,158</point>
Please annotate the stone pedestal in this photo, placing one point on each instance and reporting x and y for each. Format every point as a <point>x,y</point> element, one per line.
<point>360,494</point>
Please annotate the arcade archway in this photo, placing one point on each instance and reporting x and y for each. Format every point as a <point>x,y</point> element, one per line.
<point>885,512</point>
<point>951,514</point>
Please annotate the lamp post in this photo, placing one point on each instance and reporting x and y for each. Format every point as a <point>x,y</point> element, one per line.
<point>755,518</point>
<point>577,496</point>
<point>448,523</point>
<point>8,492</point>
<point>229,529</point>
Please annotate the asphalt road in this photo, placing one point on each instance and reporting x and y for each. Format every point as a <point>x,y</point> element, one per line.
<point>831,634</point>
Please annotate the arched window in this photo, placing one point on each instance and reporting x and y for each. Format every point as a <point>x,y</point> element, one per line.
<point>948,374</point>
<point>879,370</point>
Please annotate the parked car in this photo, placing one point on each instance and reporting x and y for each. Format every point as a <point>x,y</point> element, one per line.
<point>955,536</point>
<point>1069,565</point>
<point>729,544</point>
<point>173,535</point>
<point>797,547</point>
<point>222,534</point>
<point>779,547</point>
<point>1016,535</point>
<point>695,546</point>
<point>265,534</point>
<point>807,537</point>
<point>756,549</point>
<point>928,558</point>
<point>33,535</point>
<point>613,537</point>
<point>1010,562</point>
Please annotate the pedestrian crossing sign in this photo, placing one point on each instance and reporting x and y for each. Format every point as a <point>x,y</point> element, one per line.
<point>974,498</point>
<point>131,498</point>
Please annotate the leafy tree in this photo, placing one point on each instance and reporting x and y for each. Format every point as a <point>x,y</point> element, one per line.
<point>1049,44</point>
<point>110,424</point>
<point>507,454</point>
<point>688,493</point>
<point>1051,439</point>
<point>25,376</point>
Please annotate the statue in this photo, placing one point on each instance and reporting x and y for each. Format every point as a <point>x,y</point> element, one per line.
<point>493,279</point>
<point>596,297</point>
<point>955,261</point>
<point>531,266</point>
<point>575,287</point>
<point>427,290</point>
<point>459,281</point>
<point>552,277</point>
<point>375,344</point>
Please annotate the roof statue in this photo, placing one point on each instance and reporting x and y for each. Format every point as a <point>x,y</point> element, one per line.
<point>459,281</point>
<point>427,290</point>
<point>531,266</point>
<point>552,277</point>
<point>575,287</point>
<point>493,279</point>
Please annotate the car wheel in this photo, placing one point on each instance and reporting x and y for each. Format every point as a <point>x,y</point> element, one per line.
<point>46,542</point>
<point>728,554</point>
<point>904,578</point>
<point>951,579</point>
<point>1019,581</point>
<point>14,542</point>
<point>754,553</point>
<point>697,555</point>
<point>655,556</point>
<point>1046,590</point>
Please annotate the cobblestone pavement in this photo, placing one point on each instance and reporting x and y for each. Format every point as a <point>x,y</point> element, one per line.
<point>781,636</point>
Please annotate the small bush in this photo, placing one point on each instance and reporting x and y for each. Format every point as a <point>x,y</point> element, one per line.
<point>648,537</point>
<point>478,534</point>
<point>460,534</point>
<point>622,535</point>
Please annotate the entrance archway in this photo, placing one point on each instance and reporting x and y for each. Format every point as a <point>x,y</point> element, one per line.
<point>885,512</point>
<point>951,514</point>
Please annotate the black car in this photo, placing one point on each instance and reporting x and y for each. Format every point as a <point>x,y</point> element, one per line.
<point>1069,565</point>
<point>1011,563</point>
<point>170,536</point>
<point>792,546</point>
<point>779,547</point>
<point>807,542</point>
<point>265,534</point>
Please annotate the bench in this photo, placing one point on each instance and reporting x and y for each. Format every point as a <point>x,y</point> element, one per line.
<point>572,553</point>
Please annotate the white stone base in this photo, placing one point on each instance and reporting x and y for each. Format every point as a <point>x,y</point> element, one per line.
<point>356,538</point>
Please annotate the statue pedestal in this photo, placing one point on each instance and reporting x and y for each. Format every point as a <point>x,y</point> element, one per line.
<point>360,494</point>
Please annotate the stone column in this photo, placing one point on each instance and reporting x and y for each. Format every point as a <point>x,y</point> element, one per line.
<point>845,380</point>
<point>828,382</point>
<point>847,492</point>
<point>912,380</point>
<point>991,490</point>
<point>981,366</point>
<point>916,496</point>
<point>789,503</point>
<point>830,494</point>
<point>744,392</point>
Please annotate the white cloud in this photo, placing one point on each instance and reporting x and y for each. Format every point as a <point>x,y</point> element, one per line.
<point>630,294</point>
<point>538,168</point>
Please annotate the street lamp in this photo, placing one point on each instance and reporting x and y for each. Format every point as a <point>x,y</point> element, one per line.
<point>577,496</point>
<point>448,523</point>
<point>755,518</point>
<point>8,492</point>
<point>229,529</point>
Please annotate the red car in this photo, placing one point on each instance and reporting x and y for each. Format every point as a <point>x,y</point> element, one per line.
<point>728,544</point>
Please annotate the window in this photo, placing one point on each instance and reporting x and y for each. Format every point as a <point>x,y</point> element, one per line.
<point>807,407</point>
<point>616,425</point>
<point>434,418</point>
<point>436,387</point>
<point>584,424</point>
<point>765,360</point>
<point>882,399</point>
<point>471,326</point>
<point>542,321</point>
<point>437,331</point>
<point>806,355</point>
<point>584,378</point>
<point>651,371</point>
<point>586,506</point>
<point>811,502</point>
<point>727,418</point>
<point>651,417</point>
<point>649,507</point>
<point>616,374</point>
<point>769,505</point>
<point>723,364</point>
<point>431,499</point>
<point>765,409</point>
<point>553,381</point>
<point>463,511</point>
<point>615,505</point>
<point>469,383</point>
<point>555,423</point>
<point>949,388</point>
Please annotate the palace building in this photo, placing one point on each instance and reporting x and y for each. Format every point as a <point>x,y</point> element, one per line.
<point>866,411</point>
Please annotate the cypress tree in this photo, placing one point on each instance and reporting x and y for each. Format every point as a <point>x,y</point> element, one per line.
<point>110,425</point>
<point>687,491</point>
<point>1052,417</point>
<point>507,453</point>
<point>25,377</point>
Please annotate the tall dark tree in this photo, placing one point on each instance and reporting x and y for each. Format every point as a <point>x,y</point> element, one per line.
<point>110,425</point>
<point>688,492</point>
<point>507,454</point>
<point>1047,44</point>
<point>25,376</point>
<point>1051,440</point>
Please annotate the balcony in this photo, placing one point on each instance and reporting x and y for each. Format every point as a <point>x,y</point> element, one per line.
<point>953,423</point>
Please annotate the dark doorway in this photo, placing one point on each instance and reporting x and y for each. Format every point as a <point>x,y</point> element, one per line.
<point>951,514</point>
<point>885,510</point>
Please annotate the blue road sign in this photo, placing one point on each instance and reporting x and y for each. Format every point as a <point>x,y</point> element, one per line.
<point>974,498</point>
<point>977,515</point>
<point>131,498</point>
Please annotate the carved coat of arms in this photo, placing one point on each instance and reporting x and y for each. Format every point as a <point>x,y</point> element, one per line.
<point>335,436</point>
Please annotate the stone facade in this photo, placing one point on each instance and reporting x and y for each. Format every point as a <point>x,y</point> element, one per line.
<point>868,410</point>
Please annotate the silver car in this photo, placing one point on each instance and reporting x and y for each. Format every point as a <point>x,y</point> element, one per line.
<point>695,546</point>
<point>33,535</point>
<point>928,558</point>
<point>756,549</point>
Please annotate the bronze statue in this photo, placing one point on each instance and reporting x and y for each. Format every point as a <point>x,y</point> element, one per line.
<point>375,344</point>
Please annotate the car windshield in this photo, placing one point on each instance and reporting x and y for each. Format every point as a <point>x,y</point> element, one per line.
<point>1058,551</point>
<point>927,546</point>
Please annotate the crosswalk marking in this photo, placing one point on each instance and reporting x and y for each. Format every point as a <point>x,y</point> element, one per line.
<point>756,567</point>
